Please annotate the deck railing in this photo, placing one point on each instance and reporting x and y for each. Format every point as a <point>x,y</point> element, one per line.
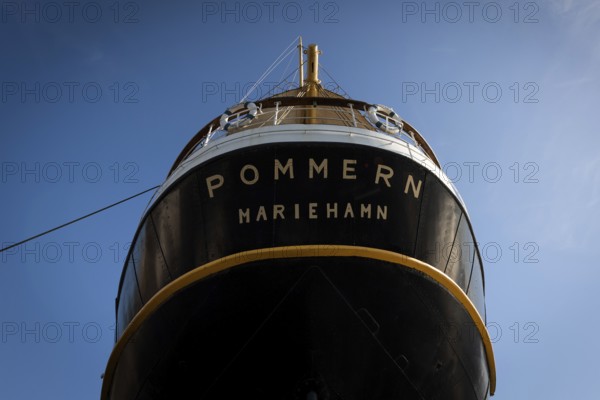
<point>275,111</point>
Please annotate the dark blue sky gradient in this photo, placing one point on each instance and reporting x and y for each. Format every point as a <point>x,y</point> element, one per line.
<point>156,66</point>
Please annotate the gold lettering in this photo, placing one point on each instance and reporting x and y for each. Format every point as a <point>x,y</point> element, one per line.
<point>410,182</point>
<point>381,212</point>
<point>312,166</point>
<point>289,165</point>
<point>278,211</point>
<point>390,173</point>
<point>365,210</point>
<point>262,214</point>
<point>312,210</point>
<point>349,211</point>
<point>211,185</point>
<point>243,174</point>
<point>349,169</point>
<point>296,211</point>
<point>244,216</point>
<point>332,210</point>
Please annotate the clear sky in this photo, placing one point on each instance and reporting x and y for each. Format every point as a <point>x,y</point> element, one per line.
<point>98,98</point>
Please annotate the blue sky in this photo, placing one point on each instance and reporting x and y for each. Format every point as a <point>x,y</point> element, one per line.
<point>97,100</point>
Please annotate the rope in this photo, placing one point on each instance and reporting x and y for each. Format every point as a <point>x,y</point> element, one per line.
<point>264,76</point>
<point>285,80</point>
<point>286,52</point>
<point>286,68</point>
<point>77,219</point>
<point>334,81</point>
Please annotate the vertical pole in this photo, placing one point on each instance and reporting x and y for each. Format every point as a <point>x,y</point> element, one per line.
<point>300,63</point>
<point>353,117</point>
<point>312,81</point>
<point>208,135</point>
<point>313,64</point>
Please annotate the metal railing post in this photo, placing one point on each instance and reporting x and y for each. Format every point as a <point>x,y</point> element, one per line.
<point>208,135</point>
<point>352,111</point>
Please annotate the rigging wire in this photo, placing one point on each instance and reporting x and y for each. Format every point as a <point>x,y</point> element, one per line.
<point>264,76</point>
<point>77,219</point>
<point>334,81</point>
<point>286,52</point>
<point>286,68</point>
<point>285,80</point>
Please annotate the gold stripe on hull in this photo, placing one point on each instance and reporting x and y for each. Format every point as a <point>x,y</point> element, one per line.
<point>304,251</point>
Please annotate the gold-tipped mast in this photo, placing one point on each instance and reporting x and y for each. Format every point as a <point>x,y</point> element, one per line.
<point>313,64</point>
<point>312,82</point>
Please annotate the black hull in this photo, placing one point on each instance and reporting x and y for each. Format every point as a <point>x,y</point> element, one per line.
<point>347,328</point>
<point>320,308</point>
